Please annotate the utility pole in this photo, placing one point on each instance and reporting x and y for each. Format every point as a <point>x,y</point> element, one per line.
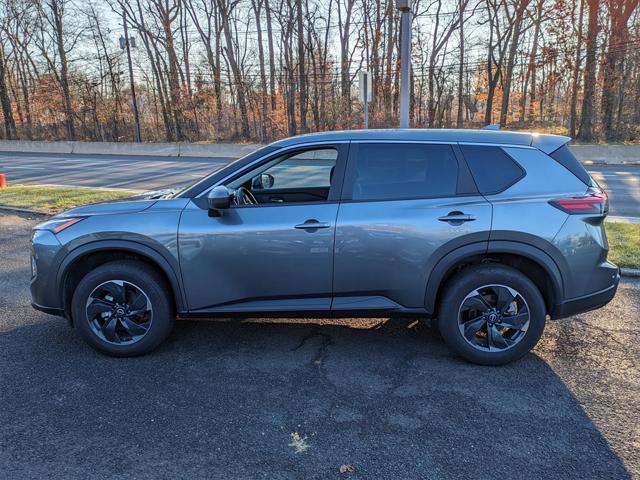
<point>125,43</point>
<point>405,59</point>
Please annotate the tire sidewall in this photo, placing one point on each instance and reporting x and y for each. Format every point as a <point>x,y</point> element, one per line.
<point>472,278</point>
<point>144,278</point>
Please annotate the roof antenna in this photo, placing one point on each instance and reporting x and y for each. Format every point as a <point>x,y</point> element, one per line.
<point>495,126</point>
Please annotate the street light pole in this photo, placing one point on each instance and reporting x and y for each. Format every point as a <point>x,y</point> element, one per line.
<point>405,59</point>
<point>136,117</point>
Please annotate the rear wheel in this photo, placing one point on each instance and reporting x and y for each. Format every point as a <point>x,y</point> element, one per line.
<point>491,314</point>
<point>123,309</point>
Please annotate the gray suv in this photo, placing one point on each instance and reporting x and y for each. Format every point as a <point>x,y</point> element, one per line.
<point>483,232</point>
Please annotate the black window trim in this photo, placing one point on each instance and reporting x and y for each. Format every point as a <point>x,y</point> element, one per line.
<point>523,172</point>
<point>348,175</point>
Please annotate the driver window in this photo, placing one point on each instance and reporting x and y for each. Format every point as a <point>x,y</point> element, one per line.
<point>303,176</point>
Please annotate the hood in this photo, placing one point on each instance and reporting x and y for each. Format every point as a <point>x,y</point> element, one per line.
<point>108,208</point>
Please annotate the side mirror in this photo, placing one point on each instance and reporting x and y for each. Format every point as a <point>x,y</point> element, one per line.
<point>219,198</point>
<point>262,181</point>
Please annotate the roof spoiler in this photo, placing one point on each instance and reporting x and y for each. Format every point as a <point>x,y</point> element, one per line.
<point>548,143</point>
<point>495,126</point>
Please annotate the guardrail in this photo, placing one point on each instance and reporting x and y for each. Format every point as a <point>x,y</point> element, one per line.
<point>606,154</point>
<point>218,150</point>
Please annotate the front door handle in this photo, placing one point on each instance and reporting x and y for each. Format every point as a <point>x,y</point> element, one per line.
<point>457,217</point>
<point>312,225</point>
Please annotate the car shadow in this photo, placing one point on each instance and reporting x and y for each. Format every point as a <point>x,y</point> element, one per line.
<point>265,399</point>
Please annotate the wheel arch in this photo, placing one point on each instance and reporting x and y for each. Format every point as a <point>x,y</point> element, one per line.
<point>534,262</point>
<point>81,260</point>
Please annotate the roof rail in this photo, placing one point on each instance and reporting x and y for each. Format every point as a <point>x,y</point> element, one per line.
<point>495,126</point>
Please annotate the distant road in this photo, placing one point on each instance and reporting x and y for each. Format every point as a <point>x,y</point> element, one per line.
<point>622,183</point>
<point>106,171</point>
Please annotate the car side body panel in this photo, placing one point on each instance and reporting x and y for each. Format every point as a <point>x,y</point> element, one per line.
<point>387,248</point>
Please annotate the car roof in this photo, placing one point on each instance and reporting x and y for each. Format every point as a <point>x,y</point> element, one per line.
<point>546,143</point>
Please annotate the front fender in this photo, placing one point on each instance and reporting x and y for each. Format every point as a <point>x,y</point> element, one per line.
<point>165,261</point>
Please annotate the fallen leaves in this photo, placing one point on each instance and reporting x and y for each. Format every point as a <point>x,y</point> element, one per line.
<point>346,468</point>
<point>298,443</point>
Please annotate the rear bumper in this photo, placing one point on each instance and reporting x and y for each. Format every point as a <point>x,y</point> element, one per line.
<point>588,302</point>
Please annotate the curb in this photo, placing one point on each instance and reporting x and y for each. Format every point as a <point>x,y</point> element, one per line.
<point>630,272</point>
<point>7,208</point>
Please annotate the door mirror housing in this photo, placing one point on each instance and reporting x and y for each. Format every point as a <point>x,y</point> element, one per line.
<point>262,181</point>
<point>219,198</point>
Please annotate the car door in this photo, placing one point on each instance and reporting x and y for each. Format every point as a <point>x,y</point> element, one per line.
<point>404,206</point>
<point>275,256</point>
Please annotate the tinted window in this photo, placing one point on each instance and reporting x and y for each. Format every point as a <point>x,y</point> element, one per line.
<point>397,171</point>
<point>567,159</point>
<point>492,169</point>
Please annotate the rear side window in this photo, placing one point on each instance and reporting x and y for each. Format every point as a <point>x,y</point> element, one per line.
<point>568,160</point>
<point>493,170</point>
<point>395,171</point>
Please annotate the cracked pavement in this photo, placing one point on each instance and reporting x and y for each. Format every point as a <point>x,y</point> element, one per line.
<point>225,399</point>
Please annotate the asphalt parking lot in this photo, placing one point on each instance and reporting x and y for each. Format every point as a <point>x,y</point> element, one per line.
<point>293,399</point>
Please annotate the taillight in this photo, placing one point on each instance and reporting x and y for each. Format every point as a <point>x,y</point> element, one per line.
<point>594,202</point>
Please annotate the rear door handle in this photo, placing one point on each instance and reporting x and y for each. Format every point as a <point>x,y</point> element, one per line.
<point>312,225</point>
<point>457,217</point>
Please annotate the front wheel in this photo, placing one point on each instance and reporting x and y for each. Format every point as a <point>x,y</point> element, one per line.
<point>491,314</point>
<point>122,308</point>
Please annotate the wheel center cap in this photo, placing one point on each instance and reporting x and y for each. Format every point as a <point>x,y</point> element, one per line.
<point>493,317</point>
<point>119,311</point>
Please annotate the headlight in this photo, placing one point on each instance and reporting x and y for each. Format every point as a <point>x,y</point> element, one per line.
<point>57,225</point>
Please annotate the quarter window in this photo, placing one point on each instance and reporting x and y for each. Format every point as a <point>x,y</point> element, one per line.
<point>492,169</point>
<point>402,171</point>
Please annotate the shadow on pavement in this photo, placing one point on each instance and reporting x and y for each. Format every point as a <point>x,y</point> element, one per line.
<point>222,400</point>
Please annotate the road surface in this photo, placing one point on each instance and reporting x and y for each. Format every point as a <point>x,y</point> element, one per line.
<point>227,400</point>
<point>150,173</point>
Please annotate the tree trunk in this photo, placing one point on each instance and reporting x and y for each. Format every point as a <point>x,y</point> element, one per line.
<point>576,76</point>
<point>9,123</point>
<point>272,61</point>
<point>585,133</point>
<point>237,74</point>
<point>64,69</point>
<point>513,50</point>
<point>302,81</point>
<point>461,6</point>
<point>257,6</point>
<point>619,11</point>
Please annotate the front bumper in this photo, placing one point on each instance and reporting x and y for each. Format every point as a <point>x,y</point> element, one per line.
<point>59,312</point>
<point>46,252</point>
<point>585,303</point>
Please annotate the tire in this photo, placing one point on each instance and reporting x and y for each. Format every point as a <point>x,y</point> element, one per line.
<point>122,331</point>
<point>471,300</point>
